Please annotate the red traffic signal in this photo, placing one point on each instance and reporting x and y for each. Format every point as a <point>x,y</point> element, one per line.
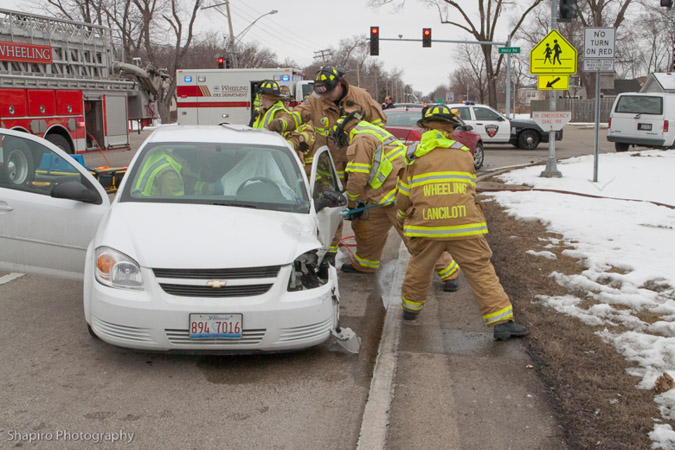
<point>221,62</point>
<point>374,41</point>
<point>426,37</point>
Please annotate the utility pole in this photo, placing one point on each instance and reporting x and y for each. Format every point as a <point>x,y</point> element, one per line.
<point>551,170</point>
<point>322,54</point>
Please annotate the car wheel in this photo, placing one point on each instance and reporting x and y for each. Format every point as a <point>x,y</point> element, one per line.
<point>621,147</point>
<point>478,156</point>
<point>60,142</point>
<point>528,139</point>
<point>18,167</point>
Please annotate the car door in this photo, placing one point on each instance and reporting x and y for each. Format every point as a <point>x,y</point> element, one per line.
<point>50,207</point>
<point>325,189</point>
<point>492,126</point>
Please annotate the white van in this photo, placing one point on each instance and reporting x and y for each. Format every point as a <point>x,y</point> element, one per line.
<point>642,119</point>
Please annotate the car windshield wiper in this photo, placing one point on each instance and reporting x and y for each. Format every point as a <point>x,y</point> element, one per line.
<point>236,204</point>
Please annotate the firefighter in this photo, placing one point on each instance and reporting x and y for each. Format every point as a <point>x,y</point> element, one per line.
<point>272,108</point>
<point>303,140</point>
<point>437,211</point>
<point>334,97</point>
<point>374,158</point>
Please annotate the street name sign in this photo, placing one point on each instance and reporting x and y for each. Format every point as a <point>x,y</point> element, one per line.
<point>553,55</point>
<point>553,82</point>
<point>598,65</point>
<point>509,49</point>
<point>599,43</point>
<point>551,120</point>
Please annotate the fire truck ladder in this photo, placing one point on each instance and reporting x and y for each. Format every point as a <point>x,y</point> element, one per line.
<point>82,54</point>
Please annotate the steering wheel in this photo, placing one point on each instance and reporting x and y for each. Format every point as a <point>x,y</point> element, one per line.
<point>262,184</point>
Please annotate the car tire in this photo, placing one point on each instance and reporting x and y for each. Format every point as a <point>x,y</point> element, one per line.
<point>60,142</point>
<point>478,156</point>
<point>91,332</point>
<point>528,139</point>
<point>621,147</point>
<point>18,167</point>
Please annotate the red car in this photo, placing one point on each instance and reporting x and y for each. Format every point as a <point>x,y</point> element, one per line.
<point>402,123</point>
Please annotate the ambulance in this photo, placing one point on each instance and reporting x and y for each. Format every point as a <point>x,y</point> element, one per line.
<point>214,96</point>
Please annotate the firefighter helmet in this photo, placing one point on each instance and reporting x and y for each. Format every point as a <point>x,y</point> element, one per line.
<point>327,78</point>
<point>338,134</point>
<point>269,87</point>
<point>438,113</point>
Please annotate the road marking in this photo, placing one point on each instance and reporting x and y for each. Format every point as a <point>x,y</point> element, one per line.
<point>9,277</point>
<point>373,434</point>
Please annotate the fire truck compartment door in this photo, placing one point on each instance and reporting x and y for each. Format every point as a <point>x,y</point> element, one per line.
<point>40,233</point>
<point>116,121</point>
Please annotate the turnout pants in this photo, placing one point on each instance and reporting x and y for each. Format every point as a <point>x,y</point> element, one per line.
<point>473,256</point>
<point>371,236</point>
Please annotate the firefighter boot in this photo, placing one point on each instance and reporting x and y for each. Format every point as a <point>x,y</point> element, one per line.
<point>507,330</point>
<point>348,268</point>
<point>409,315</point>
<point>451,285</point>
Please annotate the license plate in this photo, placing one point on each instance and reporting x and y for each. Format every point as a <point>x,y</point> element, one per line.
<point>208,326</point>
<point>645,126</point>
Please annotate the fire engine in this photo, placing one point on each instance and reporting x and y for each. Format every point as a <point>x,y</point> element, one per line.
<point>213,96</point>
<point>59,81</point>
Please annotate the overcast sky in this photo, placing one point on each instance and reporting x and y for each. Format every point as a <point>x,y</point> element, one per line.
<point>301,28</point>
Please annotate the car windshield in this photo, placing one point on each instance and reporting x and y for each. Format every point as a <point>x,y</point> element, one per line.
<point>244,175</point>
<point>403,118</point>
<point>640,104</point>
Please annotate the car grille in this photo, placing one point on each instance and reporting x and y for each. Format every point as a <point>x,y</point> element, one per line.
<point>116,331</point>
<point>220,274</point>
<point>306,331</point>
<point>248,337</point>
<point>241,289</point>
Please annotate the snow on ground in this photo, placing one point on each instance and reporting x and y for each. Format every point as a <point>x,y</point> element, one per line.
<point>626,243</point>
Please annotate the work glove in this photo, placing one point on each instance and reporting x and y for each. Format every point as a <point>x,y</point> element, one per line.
<point>276,125</point>
<point>303,147</point>
<point>354,215</point>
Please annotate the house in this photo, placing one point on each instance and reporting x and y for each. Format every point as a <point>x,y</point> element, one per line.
<point>620,86</point>
<point>659,82</point>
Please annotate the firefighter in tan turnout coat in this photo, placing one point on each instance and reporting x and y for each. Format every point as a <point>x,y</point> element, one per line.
<point>374,159</point>
<point>437,209</point>
<point>333,98</point>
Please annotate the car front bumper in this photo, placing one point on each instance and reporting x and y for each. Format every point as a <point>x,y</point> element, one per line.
<point>151,319</point>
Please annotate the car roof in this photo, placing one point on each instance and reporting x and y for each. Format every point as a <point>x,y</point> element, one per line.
<point>229,133</point>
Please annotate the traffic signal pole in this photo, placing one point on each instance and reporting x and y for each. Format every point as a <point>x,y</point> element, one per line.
<point>551,170</point>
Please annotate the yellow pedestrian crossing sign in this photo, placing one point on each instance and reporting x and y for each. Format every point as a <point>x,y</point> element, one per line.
<point>553,55</point>
<point>553,82</point>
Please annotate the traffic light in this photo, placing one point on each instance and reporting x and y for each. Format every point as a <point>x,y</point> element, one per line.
<point>426,37</point>
<point>221,62</point>
<point>374,41</point>
<point>568,10</point>
<point>667,3</point>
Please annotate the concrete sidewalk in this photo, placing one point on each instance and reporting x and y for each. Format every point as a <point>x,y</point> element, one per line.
<point>443,382</point>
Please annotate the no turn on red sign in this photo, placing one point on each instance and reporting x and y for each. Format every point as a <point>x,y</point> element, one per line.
<point>551,120</point>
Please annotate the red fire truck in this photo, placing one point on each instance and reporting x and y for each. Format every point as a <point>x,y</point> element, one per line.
<point>59,80</point>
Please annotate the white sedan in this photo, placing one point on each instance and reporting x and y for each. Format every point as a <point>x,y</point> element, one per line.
<point>215,240</point>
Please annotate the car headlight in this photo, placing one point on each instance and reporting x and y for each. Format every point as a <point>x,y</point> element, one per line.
<point>115,269</point>
<point>304,272</point>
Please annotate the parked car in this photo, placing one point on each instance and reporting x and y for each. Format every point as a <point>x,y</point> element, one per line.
<point>642,119</point>
<point>496,128</point>
<point>402,123</point>
<point>409,105</point>
<point>230,259</point>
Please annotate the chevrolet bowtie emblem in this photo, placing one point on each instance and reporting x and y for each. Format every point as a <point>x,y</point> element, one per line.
<point>216,284</point>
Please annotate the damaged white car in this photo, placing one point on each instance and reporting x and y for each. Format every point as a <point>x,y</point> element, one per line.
<point>214,242</point>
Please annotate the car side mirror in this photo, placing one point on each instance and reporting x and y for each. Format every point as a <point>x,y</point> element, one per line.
<point>74,190</point>
<point>330,199</point>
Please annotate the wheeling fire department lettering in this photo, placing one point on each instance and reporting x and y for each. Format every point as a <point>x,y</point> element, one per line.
<point>444,189</point>
<point>11,51</point>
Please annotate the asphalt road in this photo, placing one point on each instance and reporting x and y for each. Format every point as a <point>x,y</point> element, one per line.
<point>59,382</point>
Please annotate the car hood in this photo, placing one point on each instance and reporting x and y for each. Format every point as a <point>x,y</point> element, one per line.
<point>206,236</point>
<point>525,123</point>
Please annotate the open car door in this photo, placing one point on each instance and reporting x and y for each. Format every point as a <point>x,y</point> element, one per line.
<point>50,207</point>
<point>326,191</point>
